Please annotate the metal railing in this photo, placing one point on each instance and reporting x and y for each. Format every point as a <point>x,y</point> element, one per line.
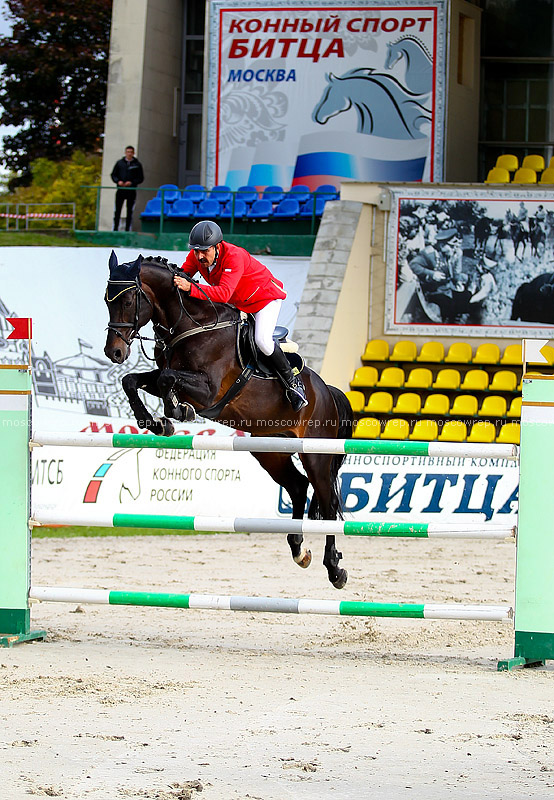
<point>36,216</point>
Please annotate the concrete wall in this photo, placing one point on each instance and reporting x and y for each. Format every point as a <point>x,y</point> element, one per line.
<point>142,100</point>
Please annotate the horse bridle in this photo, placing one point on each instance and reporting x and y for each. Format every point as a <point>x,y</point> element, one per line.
<point>128,286</point>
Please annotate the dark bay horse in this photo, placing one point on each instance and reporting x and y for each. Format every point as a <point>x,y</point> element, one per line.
<point>196,364</point>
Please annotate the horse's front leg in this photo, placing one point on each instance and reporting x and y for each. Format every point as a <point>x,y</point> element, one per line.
<point>173,384</point>
<point>147,381</point>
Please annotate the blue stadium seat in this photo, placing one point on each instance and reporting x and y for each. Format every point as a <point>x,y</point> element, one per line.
<point>221,193</point>
<point>299,192</point>
<point>328,191</point>
<point>273,193</point>
<point>287,208</point>
<point>260,209</point>
<point>183,208</point>
<point>171,192</point>
<point>307,209</point>
<point>195,192</point>
<point>207,209</point>
<point>153,209</point>
<point>247,193</point>
<point>240,209</point>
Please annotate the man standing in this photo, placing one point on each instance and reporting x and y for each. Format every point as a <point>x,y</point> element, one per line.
<point>127,174</point>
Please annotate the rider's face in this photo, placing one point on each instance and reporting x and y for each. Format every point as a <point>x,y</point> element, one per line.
<point>206,257</point>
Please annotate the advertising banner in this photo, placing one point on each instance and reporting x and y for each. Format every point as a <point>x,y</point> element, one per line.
<point>314,93</point>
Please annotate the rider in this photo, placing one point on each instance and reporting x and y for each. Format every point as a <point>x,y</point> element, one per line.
<point>235,277</point>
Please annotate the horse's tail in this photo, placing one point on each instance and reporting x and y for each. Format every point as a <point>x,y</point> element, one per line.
<point>344,431</point>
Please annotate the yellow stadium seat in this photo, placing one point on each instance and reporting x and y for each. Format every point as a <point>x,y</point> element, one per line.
<point>459,353</point>
<point>525,175</point>
<point>453,430</point>
<point>379,403</point>
<point>487,354</point>
<point>511,354</point>
<point>493,406</point>
<point>508,161</point>
<point>548,175</point>
<point>392,376</point>
<point>464,405</point>
<point>404,351</point>
<point>447,379</point>
<point>376,350</point>
<point>437,404</point>
<point>356,400</point>
<point>498,175</point>
<point>364,376</point>
<point>431,351</point>
<point>515,408</point>
<point>367,428</point>
<point>503,381</point>
<point>484,432</point>
<point>475,380</point>
<point>425,430</point>
<point>396,429</point>
<point>510,433</point>
<point>419,378</point>
<point>407,403</point>
<point>535,162</point>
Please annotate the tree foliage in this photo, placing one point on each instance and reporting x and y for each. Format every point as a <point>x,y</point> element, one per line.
<point>53,83</point>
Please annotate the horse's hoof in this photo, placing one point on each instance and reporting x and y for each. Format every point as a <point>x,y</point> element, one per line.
<point>168,429</point>
<point>340,582</point>
<point>304,559</point>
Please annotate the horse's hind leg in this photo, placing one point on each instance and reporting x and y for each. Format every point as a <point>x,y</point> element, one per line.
<point>282,470</point>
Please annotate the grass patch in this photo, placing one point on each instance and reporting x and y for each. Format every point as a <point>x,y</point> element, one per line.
<point>70,531</point>
<point>41,239</point>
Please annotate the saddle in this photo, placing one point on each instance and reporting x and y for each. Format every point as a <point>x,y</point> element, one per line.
<point>249,355</point>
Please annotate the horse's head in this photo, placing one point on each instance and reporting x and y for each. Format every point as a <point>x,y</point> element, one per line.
<point>129,307</point>
<point>394,54</point>
<point>333,101</point>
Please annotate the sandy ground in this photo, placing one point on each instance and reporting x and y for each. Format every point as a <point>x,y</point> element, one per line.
<point>162,703</point>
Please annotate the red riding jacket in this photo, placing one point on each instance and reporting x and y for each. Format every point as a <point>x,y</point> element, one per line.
<point>236,278</point>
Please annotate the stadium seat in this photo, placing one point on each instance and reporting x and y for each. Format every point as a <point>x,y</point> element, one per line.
<point>356,400</point>
<point>287,209</point>
<point>525,175</point>
<point>398,429</point>
<point>453,430</point>
<point>431,351</point>
<point>248,194</point>
<point>483,432</point>
<point>512,354</point>
<point>376,350</point>
<point>207,209</point>
<point>364,376</point>
<point>459,353</point>
<point>515,408</point>
<point>508,161</point>
<point>437,405</point>
<point>510,433</point>
<point>240,209</point>
<point>547,176</point>
<point>487,354</point>
<point>153,209</point>
<point>503,381</point>
<point>260,209</point>
<point>328,191</point>
<point>419,378</point>
<point>392,376</point>
<point>464,405</point>
<point>475,380</point>
<point>170,192</point>
<point>182,209</point>
<point>367,428</point>
<point>300,192</point>
<point>274,193</point>
<point>307,208</point>
<point>447,379</point>
<point>493,406</point>
<point>404,351</point>
<point>195,192</point>
<point>425,430</point>
<point>407,403</point>
<point>221,193</point>
<point>534,162</point>
<point>379,403</point>
<point>498,175</point>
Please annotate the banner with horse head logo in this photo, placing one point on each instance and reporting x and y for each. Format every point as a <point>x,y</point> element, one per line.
<point>316,93</point>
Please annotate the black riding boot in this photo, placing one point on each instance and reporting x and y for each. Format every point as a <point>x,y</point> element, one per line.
<point>294,387</point>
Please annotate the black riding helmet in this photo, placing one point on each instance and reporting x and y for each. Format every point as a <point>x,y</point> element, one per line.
<point>205,234</point>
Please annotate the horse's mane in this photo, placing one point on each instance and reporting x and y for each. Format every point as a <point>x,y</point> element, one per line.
<point>411,38</point>
<point>369,74</point>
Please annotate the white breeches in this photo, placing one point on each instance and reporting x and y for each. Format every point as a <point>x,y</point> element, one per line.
<point>266,320</point>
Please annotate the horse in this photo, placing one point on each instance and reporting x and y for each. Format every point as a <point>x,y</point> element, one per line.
<point>197,366</point>
<point>534,301</point>
<point>481,232</point>
<point>518,234</point>
<point>419,63</point>
<point>385,108</point>
<point>537,236</point>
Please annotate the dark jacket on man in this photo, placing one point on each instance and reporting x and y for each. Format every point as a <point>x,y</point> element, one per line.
<point>128,171</point>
